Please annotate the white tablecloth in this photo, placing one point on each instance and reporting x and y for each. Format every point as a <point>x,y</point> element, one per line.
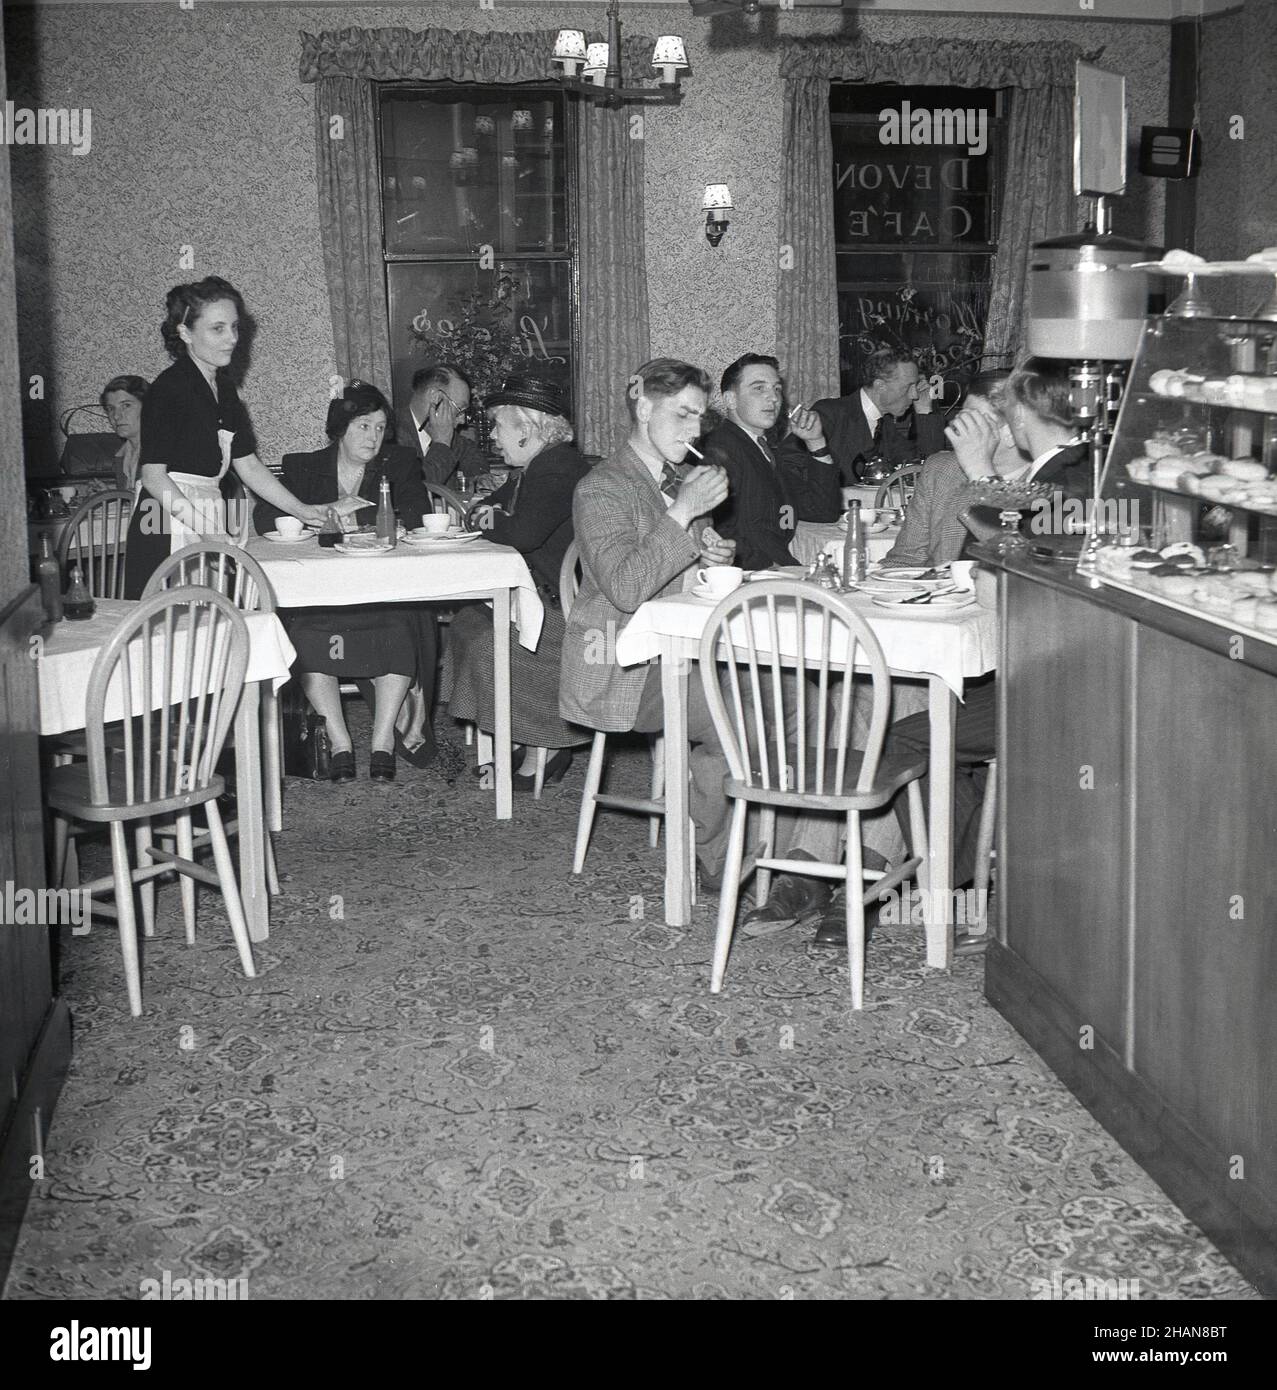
<point>66,657</point>
<point>306,576</point>
<point>812,538</point>
<point>953,644</point>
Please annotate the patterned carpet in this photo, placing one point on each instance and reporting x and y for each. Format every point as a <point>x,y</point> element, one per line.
<point>462,1073</point>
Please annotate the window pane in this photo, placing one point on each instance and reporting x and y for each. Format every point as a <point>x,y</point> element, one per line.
<point>933,304</point>
<point>516,318</point>
<point>464,167</point>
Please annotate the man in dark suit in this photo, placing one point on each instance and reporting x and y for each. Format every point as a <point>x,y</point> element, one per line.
<point>771,490</point>
<point>891,387</point>
<point>431,426</point>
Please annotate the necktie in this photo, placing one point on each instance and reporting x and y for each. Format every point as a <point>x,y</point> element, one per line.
<point>766,448</point>
<point>671,480</point>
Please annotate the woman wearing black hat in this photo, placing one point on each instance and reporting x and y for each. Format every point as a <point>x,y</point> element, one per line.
<point>531,511</point>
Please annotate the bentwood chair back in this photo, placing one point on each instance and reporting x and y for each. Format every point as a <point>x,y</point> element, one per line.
<point>176,664</point>
<point>233,572</point>
<point>897,490</point>
<point>591,798</point>
<point>94,539</point>
<point>452,503</point>
<point>788,741</point>
<point>219,565</point>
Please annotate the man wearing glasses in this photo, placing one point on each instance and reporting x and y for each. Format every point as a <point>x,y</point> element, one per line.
<point>433,426</point>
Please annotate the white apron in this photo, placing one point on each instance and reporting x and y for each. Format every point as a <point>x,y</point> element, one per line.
<point>205,496</point>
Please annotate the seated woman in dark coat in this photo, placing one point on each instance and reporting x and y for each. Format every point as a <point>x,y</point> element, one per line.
<point>531,511</point>
<point>386,644</point>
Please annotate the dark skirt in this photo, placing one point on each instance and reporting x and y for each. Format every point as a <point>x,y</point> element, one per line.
<point>144,550</point>
<point>363,640</point>
<point>534,678</point>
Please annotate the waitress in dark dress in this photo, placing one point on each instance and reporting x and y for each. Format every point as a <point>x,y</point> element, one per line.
<point>194,427</point>
<point>389,644</point>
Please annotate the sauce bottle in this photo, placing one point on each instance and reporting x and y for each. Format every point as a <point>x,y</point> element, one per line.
<point>78,602</point>
<point>853,550</point>
<point>387,531</point>
<point>49,577</point>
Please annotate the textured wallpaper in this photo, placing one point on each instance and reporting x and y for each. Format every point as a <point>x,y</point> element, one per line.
<point>202,138</point>
<point>13,509</point>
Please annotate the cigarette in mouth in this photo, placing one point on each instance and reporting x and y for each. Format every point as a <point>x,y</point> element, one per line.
<point>692,449</point>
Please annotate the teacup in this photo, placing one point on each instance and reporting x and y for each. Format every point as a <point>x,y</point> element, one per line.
<point>962,574</point>
<point>867,514</point>
<point>289,527</point>
<point>435,524</point>
<point>720,580</point>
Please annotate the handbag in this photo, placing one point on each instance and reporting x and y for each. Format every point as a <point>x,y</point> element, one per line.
<point>307,751</point>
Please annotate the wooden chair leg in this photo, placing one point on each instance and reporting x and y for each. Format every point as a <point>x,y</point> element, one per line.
<point>585,821</point>
<point>230,887</point>
<point>767,850</point>
<point>123,875</point>
<point>186,848</point>
<point>71,866</point>
<point>984,852</point>
<point>727,899</point>
<point>538,780</point>
<point>854,897</point>
<point>146,890</point>
<point>658,789</point>
<point>61,835</point>
<point>691,849</point>
<point>272,871</point>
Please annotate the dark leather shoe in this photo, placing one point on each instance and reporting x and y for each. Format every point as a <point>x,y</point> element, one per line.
<point>555,769</point>
<point>791,902</point>
<point>832,930</point>
<point>341,766</point>
<point>517,751</point>
<point>420,756</point>
<point>381,766</point>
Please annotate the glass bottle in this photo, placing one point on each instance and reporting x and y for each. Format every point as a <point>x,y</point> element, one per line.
<point>78,603</point>
<point>387,531</point>
<point>853,549</point>
<point>330,532</point>
<point>50,579</point>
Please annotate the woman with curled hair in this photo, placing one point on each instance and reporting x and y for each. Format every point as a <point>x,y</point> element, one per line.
<point>194,428</point>
<point>531,511</point>
<point>121,398</point>
<point>389,645</point>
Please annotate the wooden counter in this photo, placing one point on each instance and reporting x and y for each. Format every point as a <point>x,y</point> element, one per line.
<point>1137,906</point>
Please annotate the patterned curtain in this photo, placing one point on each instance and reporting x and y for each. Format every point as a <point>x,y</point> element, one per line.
<point>613,275</point>
<point>806,295</point>
<point>1038,180</point>
<point>350,226</point>
<point>1038,203</point>
<point>614,324</point>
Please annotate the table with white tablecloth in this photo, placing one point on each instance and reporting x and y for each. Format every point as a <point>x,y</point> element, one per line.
<point>65,661</point>
<point>812,538</point>
<point>944,647</point>
<point>304,575</point>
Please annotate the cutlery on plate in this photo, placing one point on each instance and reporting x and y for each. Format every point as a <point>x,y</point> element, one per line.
<point>935,593</point>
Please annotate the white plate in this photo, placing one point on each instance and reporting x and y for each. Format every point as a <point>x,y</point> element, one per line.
<point>343,548</point>
<point>306,535</point>
<point>908,576</point>
<point>962,599</point>
<point>1209,268</point>
<point>431,538</point>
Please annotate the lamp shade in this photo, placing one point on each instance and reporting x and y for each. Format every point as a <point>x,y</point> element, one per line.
<point>596,57</point>
<point>670,52</point>
<point>717,195</point>
<point>570,44</point>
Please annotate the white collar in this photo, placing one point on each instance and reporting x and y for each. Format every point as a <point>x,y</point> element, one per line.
<point>872,413</point>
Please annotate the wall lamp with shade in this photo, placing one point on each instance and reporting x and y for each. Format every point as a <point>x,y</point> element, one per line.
<point>594,70</point>
<point>716,204</point>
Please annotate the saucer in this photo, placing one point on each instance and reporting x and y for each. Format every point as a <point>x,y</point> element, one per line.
<point>306,535</point>
<point>700,591</point>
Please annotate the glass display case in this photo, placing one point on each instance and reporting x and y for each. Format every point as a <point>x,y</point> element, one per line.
<point>1192,468</point>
